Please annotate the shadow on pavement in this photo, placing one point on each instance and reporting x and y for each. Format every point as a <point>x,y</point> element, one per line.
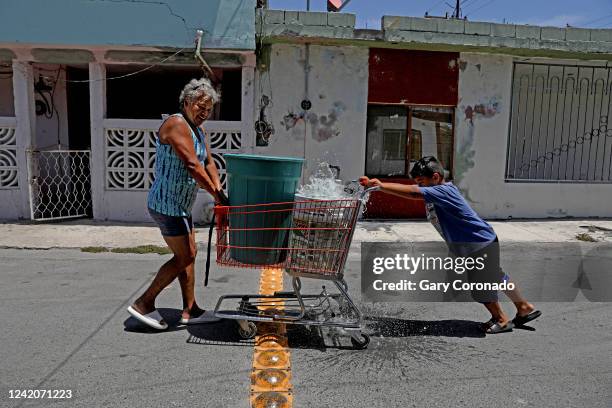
<point>223,333</point>
<point>321,339</point>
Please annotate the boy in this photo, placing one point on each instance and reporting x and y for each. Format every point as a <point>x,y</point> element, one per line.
<point>464,231</point>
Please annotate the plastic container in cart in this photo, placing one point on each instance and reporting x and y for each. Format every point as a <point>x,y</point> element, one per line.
<point>255,180</point>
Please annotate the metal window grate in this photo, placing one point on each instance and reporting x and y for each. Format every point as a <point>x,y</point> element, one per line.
<point>559,124</point>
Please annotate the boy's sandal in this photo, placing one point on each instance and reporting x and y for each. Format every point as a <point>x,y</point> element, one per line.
<point>522,320</point>
<point>498,328</point>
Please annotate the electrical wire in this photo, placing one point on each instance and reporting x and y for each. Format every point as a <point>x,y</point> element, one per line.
<point>596,20</point>
<point>465,3</point>
<point>120,76</point>
<point>481,7</point>
<point>265,129</point>
<point>434,6</point>
<point>54,108</point>
<point>474,6</point>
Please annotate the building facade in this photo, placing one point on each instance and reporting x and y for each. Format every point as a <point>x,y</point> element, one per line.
<point>83,87</point>
<point>519,115</point>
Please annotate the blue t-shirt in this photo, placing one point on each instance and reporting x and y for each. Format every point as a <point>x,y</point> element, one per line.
<point>453,217</point>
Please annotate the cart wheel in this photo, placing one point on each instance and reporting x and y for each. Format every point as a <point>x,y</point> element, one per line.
<point>360,343</point>
<point>249,332</point>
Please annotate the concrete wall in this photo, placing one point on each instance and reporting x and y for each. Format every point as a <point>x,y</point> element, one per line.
<point>15,202</point>
<point>480,152</point>
<point>514,39</point>
<point>131,206</point>
<point>11,205</point>
<point>334,129</point>
<point>46,136</point>
<point>172,23</point>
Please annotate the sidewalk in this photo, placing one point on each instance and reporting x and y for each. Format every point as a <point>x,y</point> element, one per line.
<point>85,233</point>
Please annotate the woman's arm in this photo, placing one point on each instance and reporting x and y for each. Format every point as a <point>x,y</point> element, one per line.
<point>177,134</point>
<point>211,168</point>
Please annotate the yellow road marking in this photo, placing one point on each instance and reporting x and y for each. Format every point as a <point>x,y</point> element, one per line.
<point>271,374</point>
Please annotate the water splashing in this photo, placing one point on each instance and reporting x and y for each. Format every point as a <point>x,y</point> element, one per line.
<point>323,185</point>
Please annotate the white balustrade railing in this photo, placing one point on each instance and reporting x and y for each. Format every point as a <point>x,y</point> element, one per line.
<point>8,154</point>
<point>129,155</point>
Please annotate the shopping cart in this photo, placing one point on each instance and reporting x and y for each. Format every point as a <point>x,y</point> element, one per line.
<point>308,239</point>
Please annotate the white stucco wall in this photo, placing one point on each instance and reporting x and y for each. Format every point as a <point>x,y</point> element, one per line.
<point>480,153</point>
<point>131,206</point>
<point>46,136</point>
<point>15,202</point>
<point>334,129</point>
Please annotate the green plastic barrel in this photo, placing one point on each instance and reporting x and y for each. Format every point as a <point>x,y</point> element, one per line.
<point>261,180</point>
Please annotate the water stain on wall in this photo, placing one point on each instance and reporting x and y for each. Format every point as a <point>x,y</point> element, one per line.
<point>464,159</point>
<point>483,109</point>
<point>464,154</point>
<point>486,109</point>
<point>326,128</point>
<point>323,127</point>
<point>291,119</point>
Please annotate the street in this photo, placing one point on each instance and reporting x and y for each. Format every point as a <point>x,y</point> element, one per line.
<point>66,328</point>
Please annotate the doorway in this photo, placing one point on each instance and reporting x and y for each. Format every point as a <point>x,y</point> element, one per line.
<point>60,158</point>
<point>398,136</point>
<point>412,95</point>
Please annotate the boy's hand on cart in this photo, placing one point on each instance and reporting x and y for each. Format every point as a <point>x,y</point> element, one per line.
<point>368,182</point>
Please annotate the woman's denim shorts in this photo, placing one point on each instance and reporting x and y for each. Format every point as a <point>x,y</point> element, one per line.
<point>172,226</point>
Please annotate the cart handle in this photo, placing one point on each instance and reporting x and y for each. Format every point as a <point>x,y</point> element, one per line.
<point>368,191</point>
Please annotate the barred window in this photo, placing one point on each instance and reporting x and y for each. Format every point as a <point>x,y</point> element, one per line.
<point>559,124</point>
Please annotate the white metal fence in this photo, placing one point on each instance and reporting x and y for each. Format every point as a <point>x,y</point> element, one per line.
<point>60,184</point>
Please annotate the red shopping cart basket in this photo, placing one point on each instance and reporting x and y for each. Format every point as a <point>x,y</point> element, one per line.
<point>306,238</point>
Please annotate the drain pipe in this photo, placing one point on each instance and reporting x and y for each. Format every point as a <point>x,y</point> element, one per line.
<point>198,56</point>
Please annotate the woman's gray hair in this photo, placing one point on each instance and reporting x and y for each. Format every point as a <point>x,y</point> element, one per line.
<point>196,89</point>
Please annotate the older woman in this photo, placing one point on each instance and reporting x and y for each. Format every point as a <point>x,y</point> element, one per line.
<point>183,163</point>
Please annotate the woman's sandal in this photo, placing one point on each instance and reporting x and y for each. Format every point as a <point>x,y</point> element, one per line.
<point>152,319</point>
